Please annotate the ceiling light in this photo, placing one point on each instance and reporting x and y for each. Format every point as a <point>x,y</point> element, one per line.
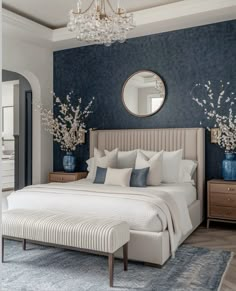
<point>100,23</point>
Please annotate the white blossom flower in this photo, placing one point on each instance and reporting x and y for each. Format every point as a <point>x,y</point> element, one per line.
<point>226,123</point>
<point>69,126</point>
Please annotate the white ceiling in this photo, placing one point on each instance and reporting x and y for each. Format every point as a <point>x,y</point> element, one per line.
<point>54,13</point>
<point>172,16</point>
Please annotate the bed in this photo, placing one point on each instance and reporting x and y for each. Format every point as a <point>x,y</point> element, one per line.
<point>150,232</point>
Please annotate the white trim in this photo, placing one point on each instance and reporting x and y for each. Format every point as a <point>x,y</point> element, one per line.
<point>173,16</point>
<point>18,27</point>
<point>14,82</point>
<point>25,23</point>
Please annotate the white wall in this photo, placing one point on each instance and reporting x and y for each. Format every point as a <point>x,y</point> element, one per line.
<point>25,53</point>
<point>143,100</point>
<point>7,93</point>
<point>7,100</point>
<point>131,97</point>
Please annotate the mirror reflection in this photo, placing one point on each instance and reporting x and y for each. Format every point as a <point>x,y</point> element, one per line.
<point>143,93</point>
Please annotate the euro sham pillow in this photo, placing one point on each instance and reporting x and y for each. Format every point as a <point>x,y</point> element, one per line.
<point>90,168</point>
<point>171,164</point>
<point>118,177</point>
<point>154,164</point>
<point>139,177</point>
<point>103,161</point>
<point>90,164</point>
<point>100,175</point>
<point>125,159</point>
<point>187,170</point>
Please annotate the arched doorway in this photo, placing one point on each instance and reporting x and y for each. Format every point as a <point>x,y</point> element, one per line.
<point>17,129</point>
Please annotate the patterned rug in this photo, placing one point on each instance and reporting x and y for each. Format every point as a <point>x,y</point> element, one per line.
<point>51,269</point>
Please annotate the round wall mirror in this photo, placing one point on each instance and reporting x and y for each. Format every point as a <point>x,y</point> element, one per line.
<point>143,93</point>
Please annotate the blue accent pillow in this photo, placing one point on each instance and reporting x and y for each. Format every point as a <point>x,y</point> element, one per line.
<point>139,177</point>
<point>100,175</point>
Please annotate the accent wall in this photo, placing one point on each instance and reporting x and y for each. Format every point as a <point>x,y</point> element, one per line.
<point>182,58</point>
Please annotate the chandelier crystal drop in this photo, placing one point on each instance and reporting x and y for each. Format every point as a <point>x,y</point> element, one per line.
<point>100,23</point>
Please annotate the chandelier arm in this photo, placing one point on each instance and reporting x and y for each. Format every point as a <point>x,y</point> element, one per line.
<point>112,9</point>
<point>86,10</point>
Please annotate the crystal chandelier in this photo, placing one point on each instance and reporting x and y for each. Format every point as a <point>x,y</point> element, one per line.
<point>100,23</point>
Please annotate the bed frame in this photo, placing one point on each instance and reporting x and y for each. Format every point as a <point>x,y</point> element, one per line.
<point>154,247</point>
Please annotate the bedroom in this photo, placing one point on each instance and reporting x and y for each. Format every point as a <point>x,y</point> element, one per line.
<point>174,47</point>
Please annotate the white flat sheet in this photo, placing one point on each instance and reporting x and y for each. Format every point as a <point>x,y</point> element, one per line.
<point>186,190</point>
<point>140,215</point>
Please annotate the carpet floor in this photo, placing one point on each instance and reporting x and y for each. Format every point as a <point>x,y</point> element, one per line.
<point>41,268</point>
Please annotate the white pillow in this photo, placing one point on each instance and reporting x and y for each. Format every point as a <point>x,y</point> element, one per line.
<point>118,177</point>
<point>171,166</point>
<point>149,154</point>
<point>155,167</point>
<point>125,159</point>
<point>187,169</point>
<point>103,161</point>
<point>90,162</point>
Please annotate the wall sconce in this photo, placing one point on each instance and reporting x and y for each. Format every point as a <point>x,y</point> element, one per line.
<point>215,133</point>
<point>82,136</point>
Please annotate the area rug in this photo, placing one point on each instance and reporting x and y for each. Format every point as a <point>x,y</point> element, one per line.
<point>42,268</point>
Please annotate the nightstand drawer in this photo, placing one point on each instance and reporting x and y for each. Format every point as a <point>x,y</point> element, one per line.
<point>220,199</point>
<point>223,188</point>
<point>223,212</point>
<point>62,178</point>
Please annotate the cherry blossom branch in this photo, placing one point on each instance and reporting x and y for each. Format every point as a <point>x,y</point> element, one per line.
<point>211,108</point>
<point>68,127</point>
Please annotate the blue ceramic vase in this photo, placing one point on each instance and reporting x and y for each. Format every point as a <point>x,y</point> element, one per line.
<point>229,167</point>
<point>69,162</point>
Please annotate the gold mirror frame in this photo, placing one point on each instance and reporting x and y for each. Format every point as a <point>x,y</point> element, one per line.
<point>123,89</point>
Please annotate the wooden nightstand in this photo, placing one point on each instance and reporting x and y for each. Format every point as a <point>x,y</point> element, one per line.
<point>221,205</point>
<point>63,177</point>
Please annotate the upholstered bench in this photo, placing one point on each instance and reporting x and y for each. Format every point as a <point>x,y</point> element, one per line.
<point>102,236</point>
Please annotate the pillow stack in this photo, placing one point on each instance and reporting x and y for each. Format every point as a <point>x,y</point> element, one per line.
<point>139,168</point>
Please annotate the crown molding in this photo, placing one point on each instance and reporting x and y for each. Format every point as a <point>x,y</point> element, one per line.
<point>173,16</point>
<point>18,27</point>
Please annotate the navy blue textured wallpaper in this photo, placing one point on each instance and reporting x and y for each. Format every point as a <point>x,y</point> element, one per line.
<point>182,58</point>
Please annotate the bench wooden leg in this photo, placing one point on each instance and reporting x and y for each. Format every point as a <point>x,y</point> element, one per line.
<point>111,268</point>
<point>24,244</point>
<point>125,256</point>
<point>3,249</point>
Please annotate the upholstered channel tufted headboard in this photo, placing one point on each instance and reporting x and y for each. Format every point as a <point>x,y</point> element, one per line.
<point>191,140</point>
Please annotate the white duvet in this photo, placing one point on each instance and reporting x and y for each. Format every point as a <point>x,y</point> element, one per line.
<point>144,209</point>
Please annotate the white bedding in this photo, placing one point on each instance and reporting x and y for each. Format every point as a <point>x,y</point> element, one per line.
<point>139,215</point>
<point>186,190</point>
<point>144,209</point>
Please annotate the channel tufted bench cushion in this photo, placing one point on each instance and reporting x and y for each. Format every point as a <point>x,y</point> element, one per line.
<point>95,234</point>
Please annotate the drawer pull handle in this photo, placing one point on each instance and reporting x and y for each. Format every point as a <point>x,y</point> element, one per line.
<point>230,189</point>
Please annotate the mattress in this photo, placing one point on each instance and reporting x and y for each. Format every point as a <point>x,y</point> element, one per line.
<point>80,198</point>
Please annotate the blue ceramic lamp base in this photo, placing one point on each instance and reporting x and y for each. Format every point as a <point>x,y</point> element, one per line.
<point>229,167</point>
